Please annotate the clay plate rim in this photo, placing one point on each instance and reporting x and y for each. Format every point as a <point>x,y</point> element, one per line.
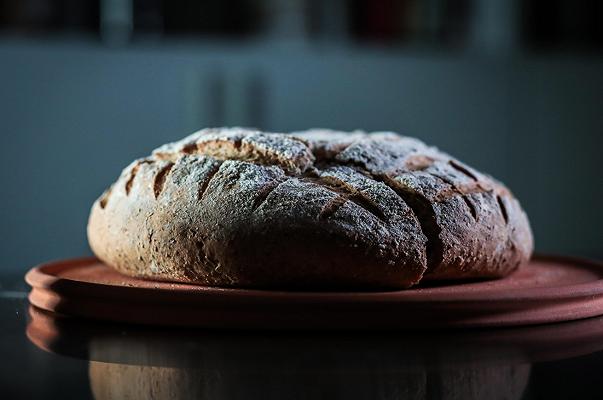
<point>44,277</point>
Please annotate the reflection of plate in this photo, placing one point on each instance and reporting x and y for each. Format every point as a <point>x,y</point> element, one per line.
<point>273,351</point>
<point>546,290</point>
<point>142,362</point>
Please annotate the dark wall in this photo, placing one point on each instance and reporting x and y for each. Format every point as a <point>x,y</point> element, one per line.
<point>73,115</point>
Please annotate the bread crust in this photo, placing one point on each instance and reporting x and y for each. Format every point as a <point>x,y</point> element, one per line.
<point>318,209</point>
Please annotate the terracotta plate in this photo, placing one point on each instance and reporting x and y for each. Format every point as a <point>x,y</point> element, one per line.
<point>549,289</point>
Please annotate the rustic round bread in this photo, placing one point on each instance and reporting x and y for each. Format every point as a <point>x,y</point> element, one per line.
<point>318,209</point>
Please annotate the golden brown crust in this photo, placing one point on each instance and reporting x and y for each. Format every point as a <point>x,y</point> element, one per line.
<point>316,209</point>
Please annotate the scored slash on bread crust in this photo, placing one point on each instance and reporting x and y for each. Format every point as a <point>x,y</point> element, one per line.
<point>318,209</point>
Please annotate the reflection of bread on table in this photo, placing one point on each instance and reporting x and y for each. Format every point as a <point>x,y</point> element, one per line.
<point>120,381</point>
<point>480,382</point>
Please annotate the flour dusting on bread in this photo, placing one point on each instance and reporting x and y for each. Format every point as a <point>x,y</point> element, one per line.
<point>236,207</point>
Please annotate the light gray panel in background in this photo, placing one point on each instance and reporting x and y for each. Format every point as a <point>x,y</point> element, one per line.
<point>71,121</point>
<point>567,157</point>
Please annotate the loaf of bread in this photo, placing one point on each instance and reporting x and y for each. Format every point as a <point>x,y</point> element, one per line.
<point>319,209</point>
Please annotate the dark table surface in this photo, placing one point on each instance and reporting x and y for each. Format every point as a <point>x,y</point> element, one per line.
<point>47,356</point>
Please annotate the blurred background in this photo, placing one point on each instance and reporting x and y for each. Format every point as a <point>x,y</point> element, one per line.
<point>513,88</point>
